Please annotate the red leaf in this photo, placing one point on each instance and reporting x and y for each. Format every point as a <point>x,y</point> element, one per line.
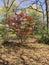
<point>21,14</point>
<point>23,33</point>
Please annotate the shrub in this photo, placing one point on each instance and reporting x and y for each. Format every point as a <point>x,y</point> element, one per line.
<point>22,25</point>
<point>44,39</point>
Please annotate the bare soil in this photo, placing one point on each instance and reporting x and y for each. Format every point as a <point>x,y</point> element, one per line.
<point>29,53</point>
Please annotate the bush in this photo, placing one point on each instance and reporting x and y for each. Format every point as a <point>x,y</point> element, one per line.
<point>22,25</point>
<point>44,39</point>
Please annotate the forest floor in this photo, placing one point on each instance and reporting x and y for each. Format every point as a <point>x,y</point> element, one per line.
<point>31,53</point>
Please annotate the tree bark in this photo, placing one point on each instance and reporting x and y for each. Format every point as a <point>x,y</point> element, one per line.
<point>46,13</point>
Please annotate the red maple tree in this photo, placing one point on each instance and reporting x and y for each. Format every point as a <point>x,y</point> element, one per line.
<point>22,24</point>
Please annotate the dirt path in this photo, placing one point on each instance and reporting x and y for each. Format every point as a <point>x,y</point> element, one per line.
<point>30,53</point>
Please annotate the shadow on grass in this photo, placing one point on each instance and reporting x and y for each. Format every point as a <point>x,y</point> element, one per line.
<point>43,41</point>
<point>20,45</point>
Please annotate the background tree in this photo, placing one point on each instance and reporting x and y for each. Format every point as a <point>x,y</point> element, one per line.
<point>46,3</point>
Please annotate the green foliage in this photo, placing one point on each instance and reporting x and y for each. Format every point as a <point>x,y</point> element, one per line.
<point>35,15</point>
<point>39,28</point>
<point>44,39</point>
<point>3,33</point>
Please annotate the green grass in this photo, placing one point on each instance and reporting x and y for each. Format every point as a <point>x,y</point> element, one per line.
<point>37,36</point>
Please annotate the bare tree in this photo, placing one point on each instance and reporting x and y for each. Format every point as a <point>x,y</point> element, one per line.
<point>9,3</point>
<point>46,13</point>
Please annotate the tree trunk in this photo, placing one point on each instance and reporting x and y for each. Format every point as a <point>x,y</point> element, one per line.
<point>46,3</point>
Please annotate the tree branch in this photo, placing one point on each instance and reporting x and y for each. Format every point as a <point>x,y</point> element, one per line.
<point>4,2</point>
<point>35,9</point>
<point>7,2</point>
<point>11,5</point>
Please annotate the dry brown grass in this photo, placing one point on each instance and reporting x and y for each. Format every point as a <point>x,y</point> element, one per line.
<point>31,53</point>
